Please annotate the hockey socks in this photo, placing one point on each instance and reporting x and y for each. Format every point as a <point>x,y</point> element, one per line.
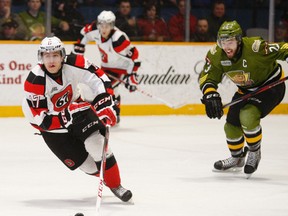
<point>111,174</point>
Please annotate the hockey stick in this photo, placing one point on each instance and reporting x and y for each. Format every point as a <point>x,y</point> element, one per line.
<point>262,89</point>
<point>147,94</point>
<point>102,170</point>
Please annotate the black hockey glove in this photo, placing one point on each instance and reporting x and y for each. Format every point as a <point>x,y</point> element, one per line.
<point>131,82</point>
<point>80,119</point>
<point>79,48</point>
<point>213,104</point>
<point>75,113</point>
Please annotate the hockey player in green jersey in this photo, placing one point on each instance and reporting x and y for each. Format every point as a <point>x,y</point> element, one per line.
<point>250,62</point>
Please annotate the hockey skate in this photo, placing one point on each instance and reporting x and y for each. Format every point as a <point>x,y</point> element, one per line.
<point>252,162</point>
<point>122,193</point>
<point>233,164</point>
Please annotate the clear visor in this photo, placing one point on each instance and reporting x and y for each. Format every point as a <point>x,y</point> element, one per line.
<point>103,26</point>
<point>227,43</point>
<point>48,57</point>
<point>42,53</point>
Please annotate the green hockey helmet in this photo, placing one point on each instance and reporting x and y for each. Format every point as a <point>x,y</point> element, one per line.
<point>229,30</point>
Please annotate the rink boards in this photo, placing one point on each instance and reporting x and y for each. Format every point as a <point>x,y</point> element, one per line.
<point>168,78</point>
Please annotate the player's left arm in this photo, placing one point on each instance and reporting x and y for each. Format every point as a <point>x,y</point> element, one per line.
<point>87,34</point>
<point>123,47</point>
<point>278,51</point>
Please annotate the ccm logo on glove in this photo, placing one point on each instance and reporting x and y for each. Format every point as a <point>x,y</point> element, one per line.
<point>102,101</point>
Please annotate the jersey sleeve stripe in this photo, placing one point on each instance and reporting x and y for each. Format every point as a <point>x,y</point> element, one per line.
<point>136,66</point>
<point>120,44</point>
<point>34,84</point>
<point>34,88</point>
<point>135,53</point>
<point>99,72</point>
<point>114,70</point>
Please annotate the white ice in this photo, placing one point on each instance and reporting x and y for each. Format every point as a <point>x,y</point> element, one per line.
<point>165,160</point>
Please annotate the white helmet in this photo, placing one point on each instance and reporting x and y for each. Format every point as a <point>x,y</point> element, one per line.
<point>106,17</point>
<point>51,44</point>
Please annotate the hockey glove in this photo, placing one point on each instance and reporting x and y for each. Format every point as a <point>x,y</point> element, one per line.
<point>75,113</point>
<point>105,109</point>
<point>131,82</point>
<point>213,104</point>
<point>79,48</point>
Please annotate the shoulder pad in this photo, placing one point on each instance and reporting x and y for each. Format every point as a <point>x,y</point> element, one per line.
<point>75,60</point>
<point>35,81</point>
<point>117,34</point>
<point>253,43</point>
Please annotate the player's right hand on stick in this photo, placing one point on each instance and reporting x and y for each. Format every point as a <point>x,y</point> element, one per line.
<point>74,113</point>
<point>105,109</point>
<point>131,82</point>
<point>213,104</point>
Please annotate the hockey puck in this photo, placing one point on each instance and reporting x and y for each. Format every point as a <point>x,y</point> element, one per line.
<point>79,214</point>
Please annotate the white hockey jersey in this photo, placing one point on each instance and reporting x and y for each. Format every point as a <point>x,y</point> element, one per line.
<point>46,96</point>
<point>117,53</point>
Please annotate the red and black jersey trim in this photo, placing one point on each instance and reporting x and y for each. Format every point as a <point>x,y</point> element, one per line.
<point>96,70</point>
<point>133,54</point>
<point>136,66</point>
<point>120,44</point>
<point>50,122</point>
<point>41,104</point>
<point>35,84</point>
<point>75,60</point>
<point>90,27</point>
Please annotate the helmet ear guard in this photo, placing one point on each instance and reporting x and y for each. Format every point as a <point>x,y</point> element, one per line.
<point>51,44</point>
<point>229,30</point>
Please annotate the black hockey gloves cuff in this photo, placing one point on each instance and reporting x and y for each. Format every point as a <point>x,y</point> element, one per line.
<point>79,48</point>
<point>213,104</point>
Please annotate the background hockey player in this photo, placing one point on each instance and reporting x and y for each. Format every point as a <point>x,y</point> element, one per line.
<point>72,128</point>
<point>118,56</point>
<point>250,63</point>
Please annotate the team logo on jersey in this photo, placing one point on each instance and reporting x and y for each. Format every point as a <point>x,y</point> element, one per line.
<point>240,78</point>
<point>54,89</point>
<point>62,99</point>
<point>256,45</point>
<point>69,162</point>
<point>226,63</point>
<point>104,55</point>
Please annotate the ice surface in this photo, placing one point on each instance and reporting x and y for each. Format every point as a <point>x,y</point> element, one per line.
<point>165,160</point>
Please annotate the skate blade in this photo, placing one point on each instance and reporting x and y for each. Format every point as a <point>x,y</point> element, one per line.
<point>231,170</point>
<point>248,175</point>
<point>129,202</point>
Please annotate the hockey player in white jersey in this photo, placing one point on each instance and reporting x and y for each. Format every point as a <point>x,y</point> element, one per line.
<point>118,57</point>
<point>73,128</point>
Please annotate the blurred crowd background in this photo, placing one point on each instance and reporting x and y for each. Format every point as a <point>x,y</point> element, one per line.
<point>142,20</point>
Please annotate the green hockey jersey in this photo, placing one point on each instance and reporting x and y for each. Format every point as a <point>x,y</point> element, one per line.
<point>252,67</point>
<point>36,25</point>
